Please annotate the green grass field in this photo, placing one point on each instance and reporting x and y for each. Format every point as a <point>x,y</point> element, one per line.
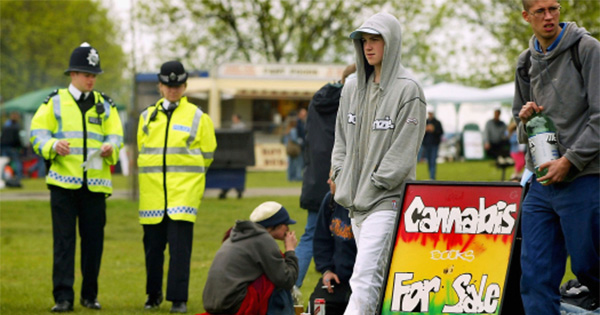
<point>26,254</point>
<point>477,171</point>
<point>26,243</point>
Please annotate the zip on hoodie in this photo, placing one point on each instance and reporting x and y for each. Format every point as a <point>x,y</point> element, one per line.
<point>357,144</point>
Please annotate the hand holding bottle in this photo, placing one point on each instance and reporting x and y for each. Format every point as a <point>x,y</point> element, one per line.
<point>557,171</point>
<point>528,110</point>
<point>550,168</point>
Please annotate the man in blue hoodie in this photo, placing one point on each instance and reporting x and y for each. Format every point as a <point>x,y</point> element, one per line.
<point>335,252</point>
<point>379,131</point>
<point>561,210</point>
<point>320,127</point>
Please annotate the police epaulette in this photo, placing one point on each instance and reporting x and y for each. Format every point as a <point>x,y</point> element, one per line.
<point>50,96</point>
<point>146,108</point>
<point>108,99</point>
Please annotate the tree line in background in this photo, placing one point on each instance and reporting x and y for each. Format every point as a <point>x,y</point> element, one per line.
<point>503,22</point>
<point>473,42</point>
<point>37,40</point>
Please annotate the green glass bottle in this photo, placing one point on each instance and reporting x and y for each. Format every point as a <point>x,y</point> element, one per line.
<point>542,141</point>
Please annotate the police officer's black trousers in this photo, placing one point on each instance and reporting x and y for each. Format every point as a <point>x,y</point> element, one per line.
<point>67,206</point>
<point>179,235</point>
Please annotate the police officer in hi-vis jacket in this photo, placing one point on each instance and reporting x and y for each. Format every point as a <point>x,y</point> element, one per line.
<point>79,131</point>
<point>176,142</point>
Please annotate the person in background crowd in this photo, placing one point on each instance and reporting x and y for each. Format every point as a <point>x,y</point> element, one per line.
<point>38,170</point>
<point>335,253</point>
<point>237,123</point>
<point>431,141</point>
<point>295,160</point>
<point>301,125</point>
<point>379,131</point>
<point>79,131</point>
<point>517,151</point>
<point>320,126</point>
<point>495,137</point>
<point>11,146</point>
<point>176,143</point>
<point>249,274</point>
<point>561,211</point>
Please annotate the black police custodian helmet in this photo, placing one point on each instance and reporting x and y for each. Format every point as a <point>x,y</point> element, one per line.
<point>172,73</point>
<point>84,58</point>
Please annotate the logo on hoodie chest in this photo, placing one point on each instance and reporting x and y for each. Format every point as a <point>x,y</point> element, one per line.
<point>383,124</point>
<point>352,119</point>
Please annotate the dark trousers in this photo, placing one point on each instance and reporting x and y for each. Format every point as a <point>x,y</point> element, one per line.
<point>497,149</point>
<point>431,153</point>
<point>67,205</point>
<point>179,235</point>
<point>336,302</point>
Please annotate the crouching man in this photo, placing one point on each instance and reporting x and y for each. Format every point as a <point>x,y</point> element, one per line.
<point>249,274</point>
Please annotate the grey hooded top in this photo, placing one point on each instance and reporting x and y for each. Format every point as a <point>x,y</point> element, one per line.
<point>570,98</point>
<point>249,252</point>
<point>397,129</point>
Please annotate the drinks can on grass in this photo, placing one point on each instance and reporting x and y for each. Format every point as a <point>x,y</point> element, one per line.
<point>319,307</point>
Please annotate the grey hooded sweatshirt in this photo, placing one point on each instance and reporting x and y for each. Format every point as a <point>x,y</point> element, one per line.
<point>570,98</point>
<point>249,252</point>
<point>372,180</point>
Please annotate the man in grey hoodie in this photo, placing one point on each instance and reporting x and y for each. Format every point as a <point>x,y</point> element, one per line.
<point>561,215</point>
<point>379,130</point>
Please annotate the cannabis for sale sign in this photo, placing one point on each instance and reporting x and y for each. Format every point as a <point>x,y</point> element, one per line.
<point>452,248</point>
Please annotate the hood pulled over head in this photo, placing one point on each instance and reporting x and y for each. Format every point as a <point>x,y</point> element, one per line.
<point>389,27</point>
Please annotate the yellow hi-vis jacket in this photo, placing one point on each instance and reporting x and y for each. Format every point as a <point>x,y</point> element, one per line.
<point>59,118</point>
<point>174,154</point>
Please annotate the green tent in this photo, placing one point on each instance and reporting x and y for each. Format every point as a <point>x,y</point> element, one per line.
<point>29,102</point>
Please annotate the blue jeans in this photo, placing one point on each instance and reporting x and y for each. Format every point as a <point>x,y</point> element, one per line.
<point>294,170</point>
<point>304,250</point>
<point>568,309</point>
<point>431,153</point>
<point>281,302</point>
<point>559,219</point>
<point>40,167</point>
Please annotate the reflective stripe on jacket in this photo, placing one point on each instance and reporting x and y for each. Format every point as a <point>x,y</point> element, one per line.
<point>174,154</point>
<point>61,119</point>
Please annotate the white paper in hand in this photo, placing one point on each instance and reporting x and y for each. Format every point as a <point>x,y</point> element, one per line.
<point>94,161</point>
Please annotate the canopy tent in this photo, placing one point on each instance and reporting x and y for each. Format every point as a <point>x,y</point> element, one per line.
<point>456,93</point>
<point>451,93</point>
<point>503,93</point>
<point>463,112</point>
<point>466,102</point>
<point>29,102</point>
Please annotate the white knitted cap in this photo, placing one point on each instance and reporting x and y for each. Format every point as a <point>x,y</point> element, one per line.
<point>264,211</point>
<point>270,213</point>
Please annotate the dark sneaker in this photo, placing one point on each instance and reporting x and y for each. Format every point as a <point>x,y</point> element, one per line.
<point>91,304</point>
<point>62,306</point>
<point>179,307</point>
<point>153,301</point>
